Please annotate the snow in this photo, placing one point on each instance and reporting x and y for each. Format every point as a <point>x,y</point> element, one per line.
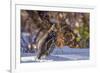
<point>63,54</point>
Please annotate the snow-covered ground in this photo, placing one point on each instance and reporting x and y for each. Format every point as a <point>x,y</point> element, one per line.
<point>64,54</point>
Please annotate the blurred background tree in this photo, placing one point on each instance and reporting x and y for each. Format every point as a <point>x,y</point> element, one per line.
<point>72,28</point>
